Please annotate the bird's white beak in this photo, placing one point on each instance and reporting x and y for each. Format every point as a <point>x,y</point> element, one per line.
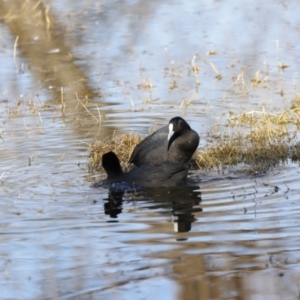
<point>171,132</point>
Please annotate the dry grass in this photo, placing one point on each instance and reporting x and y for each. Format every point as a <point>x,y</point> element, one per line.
<point>255,152</point>
<point>122,145</point>
<point>258,141</point>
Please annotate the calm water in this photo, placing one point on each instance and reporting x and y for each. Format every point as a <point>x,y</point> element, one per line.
<point>230,236</point>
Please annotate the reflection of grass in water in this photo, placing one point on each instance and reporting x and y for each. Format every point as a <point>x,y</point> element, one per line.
<point>258,141</point>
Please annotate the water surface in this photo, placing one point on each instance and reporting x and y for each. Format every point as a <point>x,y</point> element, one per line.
<point>74,71</point>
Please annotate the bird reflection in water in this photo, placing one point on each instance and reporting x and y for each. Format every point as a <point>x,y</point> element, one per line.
<point>113,204</point>
<point>180,202</point>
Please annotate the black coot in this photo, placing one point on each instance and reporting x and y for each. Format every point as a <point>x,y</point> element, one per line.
<point>175,142</point>
<point>166,174</point>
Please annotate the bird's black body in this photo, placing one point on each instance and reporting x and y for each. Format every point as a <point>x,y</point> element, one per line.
<point>175,143</point>
<point>166,174</point>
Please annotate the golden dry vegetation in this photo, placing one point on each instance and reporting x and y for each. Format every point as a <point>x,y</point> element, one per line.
<point>256,141</point>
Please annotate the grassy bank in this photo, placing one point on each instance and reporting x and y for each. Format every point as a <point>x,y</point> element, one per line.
<point>255,141</point>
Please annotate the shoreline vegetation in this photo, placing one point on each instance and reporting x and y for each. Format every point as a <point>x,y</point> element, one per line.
<point>254,141</point>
